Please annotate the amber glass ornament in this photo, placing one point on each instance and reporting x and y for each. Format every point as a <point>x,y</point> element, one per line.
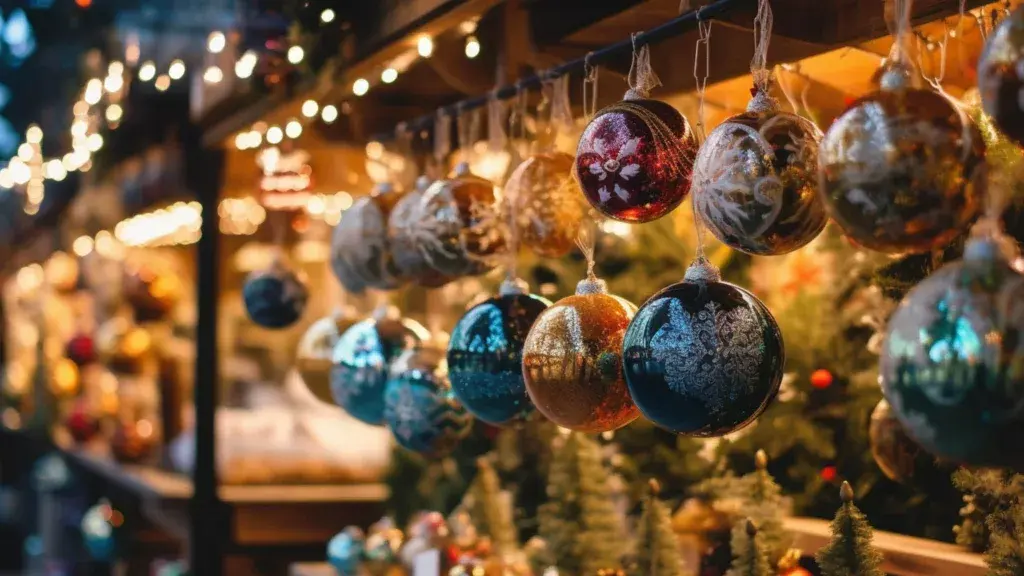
<point>133,442</point>
<point>897,455</point>
<point>572,361</point>
<point>548,208</point>
<point>634,159</point>
<point>1001,76</point>
<point>360,248</point>
<point>316,349</point>
<point>459,230</point>
<point>703,357</point>
<point>151,291</point>
<point>897,168</point>
<point>122,346</point>
<point>409,256</point>
<point>755,180</point>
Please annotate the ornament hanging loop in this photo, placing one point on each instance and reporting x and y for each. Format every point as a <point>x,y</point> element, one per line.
<point>642,78</point>
<point>589,88</point>
<point>762,100</point>
<point>701,80</point>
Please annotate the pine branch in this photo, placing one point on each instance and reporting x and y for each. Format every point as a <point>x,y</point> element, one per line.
<point>657,552</point>
<point>849,552</point>
<point>749,555</point>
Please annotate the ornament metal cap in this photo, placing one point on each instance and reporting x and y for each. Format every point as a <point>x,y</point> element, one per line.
<point>897,76</point>
<point>383,188</point>
<point>702,270</point>
<point>462,169</point>
<point>386,312</point>
<point>762,102</point>
<point>513,287</point>
<point>422,183</point>
<point>846,492</point>
<point>591,286</point>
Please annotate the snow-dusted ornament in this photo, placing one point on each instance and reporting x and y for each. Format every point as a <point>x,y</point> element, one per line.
<point>755,180</point>
<point>703,357</point>
<point>360,249</point>
<point>407,251</point>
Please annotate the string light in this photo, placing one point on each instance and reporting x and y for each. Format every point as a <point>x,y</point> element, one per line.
<point>310,108</point>
<point>113,84</point>
<point>55,170</point>
<point>26,151</point>
<point>176,70</point>
<point>472,47</point>
<point>213,75</point>
<point>329,114</point>
<point>82,246</point>
<point>389,75</point>
<point>95,142</point>
<point>296,54</point>
<point>115,68</point>
<point>246,64</point>
<point>293,129</point>
<point>327,16</point>
<point>425,46</point>
<point>114,113</point>
<point>34,134</point>
<point>360,87</point>
<point>147,71</point>
<point>274,135</point>
<point>93,91</point>
<point>216,42</point>
<point>163,82</point>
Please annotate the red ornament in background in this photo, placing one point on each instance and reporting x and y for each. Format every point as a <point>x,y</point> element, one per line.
<point>829,473</point>
<point>81,423</point>
<point>821,379</point>
<point>133,442</point>
<point>81,349</point>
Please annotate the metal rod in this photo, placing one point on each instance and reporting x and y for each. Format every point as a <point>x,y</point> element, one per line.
<point>674,27</point>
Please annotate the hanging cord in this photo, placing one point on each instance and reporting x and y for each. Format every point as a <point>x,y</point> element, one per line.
<point>787,91</point>
<point>902,31</point>
<point>642,78</point>
<point>497,137</point>
<point>442,138</point>
<point>589,89</point>
<point>517,123</point>
<point>561,107</point>
<point>586,239</point>
<point>762,36</point>
<point>934,81</point>
<point>701,80</point>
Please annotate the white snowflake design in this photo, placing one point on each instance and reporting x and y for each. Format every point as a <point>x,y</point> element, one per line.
<point>622,165</point>
<point>407,416</point>
<point>711,355</point>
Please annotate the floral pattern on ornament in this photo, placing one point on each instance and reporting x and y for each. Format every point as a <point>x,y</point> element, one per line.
<point>622,165</point>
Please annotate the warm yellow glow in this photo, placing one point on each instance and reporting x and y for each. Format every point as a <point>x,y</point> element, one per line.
<point>329,114</point>
<point>147,71</point>
<point>472,47</point>
<point>213,75</point>
<point>389,75</point>
<point>425,46</point>
<point>327,16</point>
<point>29,277</point>
<point>176,70</point>
<point>216,42</point>
<point>163,82</point>
<point>6,179</point>
<point>81,108</point>
<point>113,83</point>
<point>293,129</point>
<point>114,113</point>
<point>296,54</point>
<point>94,142</point>
<point>360,87</point>
<point>79,128</point>
<point>315,207</point>
<point>310,108</point>
<point>54,170</point>
<point>93,91</point>
<point>274,135</point>
<point>82,246</point>
<point>20,171</point>
<point>26,151</point>
<point>135,343</point>
<point>115,68</point>
<point>65,378</point>
<point>177,224</point>
<point>374,150</point>
<point>34,134</point>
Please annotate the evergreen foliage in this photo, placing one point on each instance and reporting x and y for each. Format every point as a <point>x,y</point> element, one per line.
<point>764,506</point>
<point>849,552</point>
<point>579,524</point>
<point>492,516</point>
<point>657,546</point>
<point>1005,556</point>
<point>749,556</point>
<point>988,494</point>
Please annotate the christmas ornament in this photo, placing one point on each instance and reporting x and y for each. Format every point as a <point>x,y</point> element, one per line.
<point>100,528</point>
<point>458,229</point>
<point>360,242</point>
<point>485,355</point>
<point>755,179</point>
<point>362,358</point>
<point>122,346</point>
<point>151,291</point>
<point>634,159</point>
<point>897,455</point>
<point>789,565</point>
<point>65,379</point>
<point>897,168</point>
<point>821,379</point>
<point>81,422</point>
<point>952,365</point>
<point>345,551</point>
<point>313,357</point>
<point>275,297</point>
<point>548,211</point>
<point>419,406</point>
<point>572,361</point>
<point>132,442</point>
<point>1001,76</point>
<point>407,253</point>
<point>81,349</point>
<point>61,272</point>
<point>703,357</point>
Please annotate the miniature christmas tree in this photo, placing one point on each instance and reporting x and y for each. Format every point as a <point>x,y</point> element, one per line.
<point>1005,555</point>
<point>987,494</point>
<point>749,557</point>
<point>849,552</point>
<point>763,504</point>
<point>657,552</point>
<point>582,531</point>
<point>490,511</point>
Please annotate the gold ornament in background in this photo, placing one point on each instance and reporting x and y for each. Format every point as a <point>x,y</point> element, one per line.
<point>133,442</point>
<point>122,346</point>
<point>61,272</point>
<point>548,203</point>
<point>152,292</point>
<point>897,168</point>
<point>64,379</point>
<point>313,355</point>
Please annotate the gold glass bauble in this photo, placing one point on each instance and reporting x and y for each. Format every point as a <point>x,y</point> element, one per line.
<point>548,203</point>
<point>755,180</point>
<point>313,355</point>
<point>897,169</point>
<point>151,290</point>
<point>123,347</point>
<point>572,361</point>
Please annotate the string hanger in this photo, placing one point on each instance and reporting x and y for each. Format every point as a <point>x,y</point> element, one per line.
<point>701,80</point>
<point>590,79</point>
<point>762,100</point>
<point>642,78</point>
<point>586,240</point>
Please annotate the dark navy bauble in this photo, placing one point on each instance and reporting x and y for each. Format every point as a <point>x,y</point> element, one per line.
<point>345,551</point>
<point>100,527</point>
<point>485,356</point>
<point>419,406</point>
<point>362,358</point>
<point>275,297</point>
<point>703,357</point>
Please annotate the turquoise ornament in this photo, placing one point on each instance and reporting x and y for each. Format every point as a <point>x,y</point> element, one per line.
<point>345,551</point>
<point>419,406</point>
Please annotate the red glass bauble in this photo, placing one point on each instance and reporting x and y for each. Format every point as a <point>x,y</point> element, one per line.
<point>634,160</point>
<point>133,442</point>
<point>81,423</point>
<point>821,379</point>
<point>82,349</point>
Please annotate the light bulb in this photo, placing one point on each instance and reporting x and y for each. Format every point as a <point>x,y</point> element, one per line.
<point>296,54</point>
<point>216,42</point>
<point>213,75</point>
<point>34,134</point>
<point>147,71</point>
<point>293,129</point>
<point>389,75</point>
<point>472,47</point>
<point>274,135</point>
<point>176,70</point>
<point>360,87</point>
<point>327,16</point>
<point>425,46</point>
<point>310,108</point>
<point>329,114</point>
<point>114,113</point>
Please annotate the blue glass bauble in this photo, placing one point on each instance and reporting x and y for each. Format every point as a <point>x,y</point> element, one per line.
<point>703,357</point>
<point>485,357</point>
<point>345,551</point>
<point>362,358</point>
<point>100,525</point>
<point>952,365</point>
<point>276,297</point>
<point>419,406</point>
